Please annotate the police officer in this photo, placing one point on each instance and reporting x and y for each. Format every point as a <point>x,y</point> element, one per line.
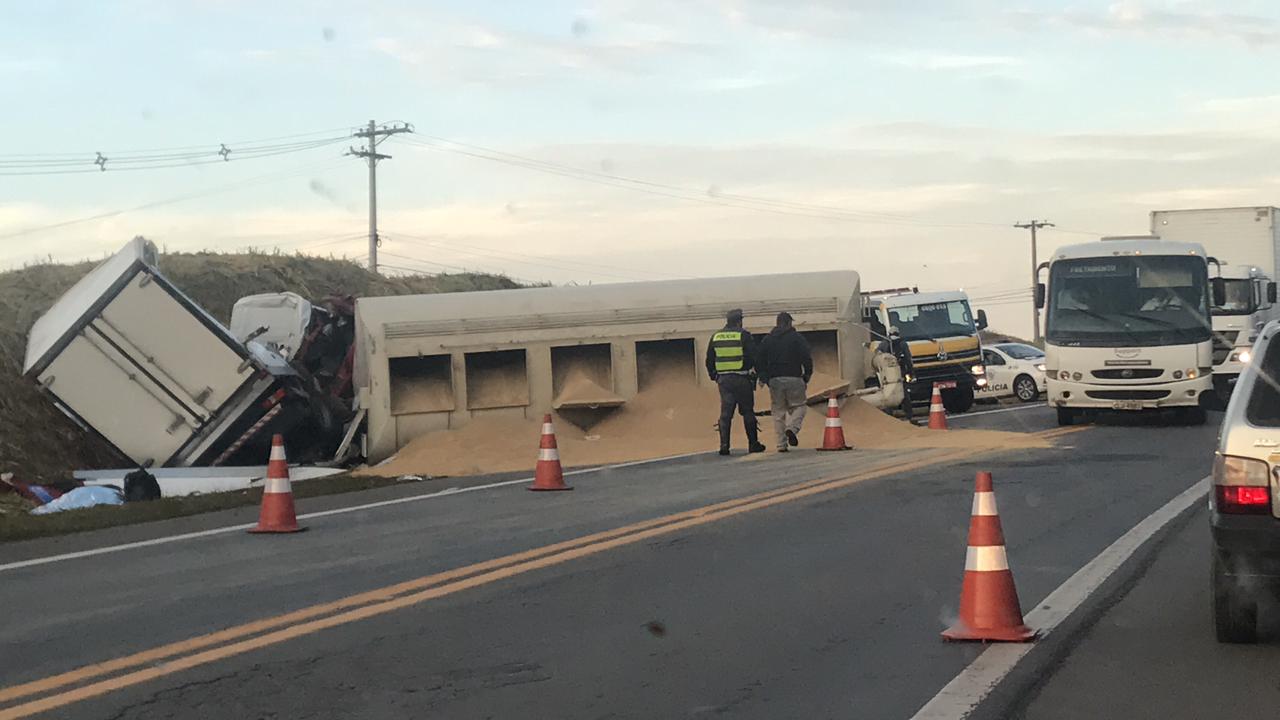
<point>730,363</point>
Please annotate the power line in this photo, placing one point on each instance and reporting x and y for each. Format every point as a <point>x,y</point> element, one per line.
<point>712,196</point>
<point>102,163</point>
<point>251,182</point>
<point>458,268</point>
<point>179,148</point>
<point>528,259</point>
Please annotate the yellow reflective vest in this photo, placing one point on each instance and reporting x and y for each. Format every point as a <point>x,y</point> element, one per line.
<point>729,350</point>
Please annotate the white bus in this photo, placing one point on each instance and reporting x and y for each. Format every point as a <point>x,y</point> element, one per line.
<point>1128,328</point>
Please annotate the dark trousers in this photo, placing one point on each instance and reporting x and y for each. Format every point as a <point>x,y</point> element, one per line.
<point>737,391</point>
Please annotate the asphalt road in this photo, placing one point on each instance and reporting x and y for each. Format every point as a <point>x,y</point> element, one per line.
<point>815,603</point>
<point>1153,654</point>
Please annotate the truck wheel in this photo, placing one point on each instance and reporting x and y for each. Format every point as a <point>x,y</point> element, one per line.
<point>1066,416</point>
<point>957,400</point>
<point>1235,616</point>
<point>1024,386</point>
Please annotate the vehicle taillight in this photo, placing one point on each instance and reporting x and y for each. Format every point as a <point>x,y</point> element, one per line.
<point>1241,485</point>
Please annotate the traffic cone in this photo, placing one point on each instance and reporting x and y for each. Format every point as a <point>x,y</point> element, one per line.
<point>547,474</point>
<point>277,514</point>
<point>989,609</point>
<point>937,413</point>
<point>833,435</point>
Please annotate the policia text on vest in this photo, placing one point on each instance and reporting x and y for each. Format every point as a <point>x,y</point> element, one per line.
<point>731,363</point>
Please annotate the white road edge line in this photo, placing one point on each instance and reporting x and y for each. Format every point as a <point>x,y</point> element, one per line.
<point>1029,406</point>
<point>323,513</point>
<point>964,693</point>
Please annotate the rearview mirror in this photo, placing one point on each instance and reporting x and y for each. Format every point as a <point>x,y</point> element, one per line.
<point>1219,287</point>
<point>1271,292</point>
<point>982,319</point>
<point>1040,293</point>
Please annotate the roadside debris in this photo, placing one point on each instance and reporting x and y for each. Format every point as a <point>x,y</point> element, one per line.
<point>82,497</point>
<point>38,494</point>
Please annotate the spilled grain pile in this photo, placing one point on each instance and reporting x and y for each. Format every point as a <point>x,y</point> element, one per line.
<point>671,415</point>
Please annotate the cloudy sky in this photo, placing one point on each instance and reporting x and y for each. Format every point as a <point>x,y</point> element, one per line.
<point>636,139</point>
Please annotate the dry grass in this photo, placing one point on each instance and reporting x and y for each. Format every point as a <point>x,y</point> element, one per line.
<point>38,444</point>
<point>18,524</point>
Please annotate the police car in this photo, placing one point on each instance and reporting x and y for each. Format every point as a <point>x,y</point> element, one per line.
<point>1013,370</point>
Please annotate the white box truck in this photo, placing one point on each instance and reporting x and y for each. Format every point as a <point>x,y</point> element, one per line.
<point>128,356</point>
<point>1245,243</point>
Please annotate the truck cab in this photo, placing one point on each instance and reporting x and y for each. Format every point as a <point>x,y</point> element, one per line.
<point>1249,299</point>
<point>941,332</point>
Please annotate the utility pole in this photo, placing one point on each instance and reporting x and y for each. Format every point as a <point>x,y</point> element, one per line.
<point>1035,311</point>
<point>374,135</point>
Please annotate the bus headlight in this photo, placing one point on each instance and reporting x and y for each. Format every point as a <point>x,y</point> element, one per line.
<point>1243,356</point>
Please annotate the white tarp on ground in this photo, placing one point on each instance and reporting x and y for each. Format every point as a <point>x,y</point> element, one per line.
<point>176,482</point>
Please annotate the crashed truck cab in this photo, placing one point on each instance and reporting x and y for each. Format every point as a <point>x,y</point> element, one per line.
<point>941,332</point>
<point>129,357</point>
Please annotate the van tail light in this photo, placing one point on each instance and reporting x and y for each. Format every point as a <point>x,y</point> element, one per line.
<point>1241,486</point>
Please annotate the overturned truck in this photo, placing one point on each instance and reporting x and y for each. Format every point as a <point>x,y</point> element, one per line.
<point>434,362</point>
<point>131,358</point>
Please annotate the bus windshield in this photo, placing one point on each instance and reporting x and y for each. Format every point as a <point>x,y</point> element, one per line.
<point>1240,300</point>
<point>933,320</point>
<point>1112,301</point>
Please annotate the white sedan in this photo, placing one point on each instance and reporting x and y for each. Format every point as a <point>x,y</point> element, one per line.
<point>1013,370</point>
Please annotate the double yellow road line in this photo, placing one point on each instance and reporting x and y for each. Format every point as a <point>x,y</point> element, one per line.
<point>99,679</point>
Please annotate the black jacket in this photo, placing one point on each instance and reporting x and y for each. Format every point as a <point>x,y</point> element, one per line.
<point>784,353</point>
<point>748,352</point>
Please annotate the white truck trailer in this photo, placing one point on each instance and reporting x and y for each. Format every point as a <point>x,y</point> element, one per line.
<point>1245,242</point>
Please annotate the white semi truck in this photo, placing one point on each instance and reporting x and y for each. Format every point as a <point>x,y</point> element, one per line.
<point>1127,328</point>
<point>1244,241</point>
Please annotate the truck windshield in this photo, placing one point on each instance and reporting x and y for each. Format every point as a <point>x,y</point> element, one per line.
<point>1161,300</point>
<point>931,321</point>
<point>1240,300</point>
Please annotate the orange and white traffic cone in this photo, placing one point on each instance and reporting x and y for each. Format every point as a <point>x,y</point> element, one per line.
<point>937,413</point>
<point>547,474</point>
<point>277,514</point>
<point>833,434</point>
<point>989,609</point>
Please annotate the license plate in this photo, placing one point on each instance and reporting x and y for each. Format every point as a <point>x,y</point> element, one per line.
<point>1127,405</point>
<point>945,384</point>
